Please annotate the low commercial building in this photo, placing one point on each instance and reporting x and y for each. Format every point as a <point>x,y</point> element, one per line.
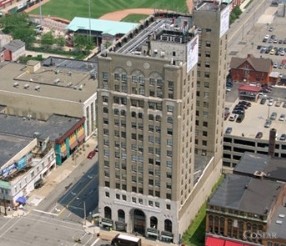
<point>23,166</point>
<point>243,208</point>
<point>251,69</point>
<point>14,50</point>
<point>102,31</point>
<point>55,86</point>
<point>65,133</point>
<point>30,149</point>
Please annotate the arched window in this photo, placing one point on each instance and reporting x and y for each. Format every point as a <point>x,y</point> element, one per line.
<point>121,215</point>
<point>107,212</point>
<point>158,118</point>
<point>105,110</point>
<point>168,225</point>
<point>151,117</point>
<point>153,222</point>
<point>123,112</point>
<point>133,114</point>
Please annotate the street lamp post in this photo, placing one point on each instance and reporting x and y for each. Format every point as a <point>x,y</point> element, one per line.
<point>89,20</point>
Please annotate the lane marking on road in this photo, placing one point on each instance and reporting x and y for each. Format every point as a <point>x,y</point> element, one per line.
<point>95,242</point>
<point>44,212</point>
<point>83,188</point>
<point>46,222</point>
<point>10,227</point>
<point>88,240</point>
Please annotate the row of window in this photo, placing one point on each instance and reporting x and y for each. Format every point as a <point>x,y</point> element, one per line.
<point>139,200</point>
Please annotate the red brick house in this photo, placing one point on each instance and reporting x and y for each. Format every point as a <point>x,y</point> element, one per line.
<point>251,69</point>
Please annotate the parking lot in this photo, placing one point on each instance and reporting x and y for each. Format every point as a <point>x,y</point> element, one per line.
<point>254,42</point>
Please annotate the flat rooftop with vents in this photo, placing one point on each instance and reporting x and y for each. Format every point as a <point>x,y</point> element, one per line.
<point>55,127</point>
<point>11,145</point>
<point>56,78</point>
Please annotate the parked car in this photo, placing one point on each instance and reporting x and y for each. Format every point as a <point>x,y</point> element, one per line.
<point>282,117</point>
<point>278,104</point>
<point>232,117</point>
<point>240,118</point>
<point>273,116</point>
<point>91,154</point>
<point>283,137</point>
<point>267,123</point>
<point>284,105</point>
<point>270,102</point>
<point>259,135</point>
<point>263,101</point>
<point>228,130</point>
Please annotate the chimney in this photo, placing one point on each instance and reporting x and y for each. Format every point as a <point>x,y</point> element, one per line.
<point>272,138</point>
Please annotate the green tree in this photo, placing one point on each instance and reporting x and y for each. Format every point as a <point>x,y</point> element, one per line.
<point>82,42</point>
<point>48,39</point>
<point>19,27</point>
<point>60,41</point>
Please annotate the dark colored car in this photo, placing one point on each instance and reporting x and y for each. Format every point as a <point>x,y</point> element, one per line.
<point>263,101</point>
<point>259,135</point>
<point>228,130</point>
<point>240,118</point>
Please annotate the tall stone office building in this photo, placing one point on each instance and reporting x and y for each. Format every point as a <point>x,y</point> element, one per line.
<point>153,175</point>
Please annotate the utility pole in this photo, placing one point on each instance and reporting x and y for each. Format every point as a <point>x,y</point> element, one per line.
<point>89,20</point>
<point>41,16</point>
<point>84,211</point>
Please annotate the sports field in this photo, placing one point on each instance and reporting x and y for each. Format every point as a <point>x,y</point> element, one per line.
<point>68,9</point>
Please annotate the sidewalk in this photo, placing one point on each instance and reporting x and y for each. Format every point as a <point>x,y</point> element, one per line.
<point>61,172</point>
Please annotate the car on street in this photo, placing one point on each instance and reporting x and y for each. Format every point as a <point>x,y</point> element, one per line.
<point>283,137</point>
<point>259,135</point>
<point>282,117</point>
<point>240,118</point>
<point>228,130</point>
<point>91,154</point>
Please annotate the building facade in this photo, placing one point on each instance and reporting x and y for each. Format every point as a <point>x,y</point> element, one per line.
<point>29,165</point>
<point>251,69</point>
<point>212,70</point>
<point>147,103</point>
<point>55,86</point>
<point>232,214</point>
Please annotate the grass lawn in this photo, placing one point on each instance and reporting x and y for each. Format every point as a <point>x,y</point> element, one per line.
<point>68,9</point>
<point>134,18</point>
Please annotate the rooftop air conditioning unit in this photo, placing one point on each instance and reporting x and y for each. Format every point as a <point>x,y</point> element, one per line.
<point>56,81</point>
<point>26,86</point>
<point>37,88</point>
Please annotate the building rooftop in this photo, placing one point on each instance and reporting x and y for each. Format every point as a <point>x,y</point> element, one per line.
<point>103,26</point>
<point>278,224</point>
<point>11,145</point>
<point>14,45</point>
<point>262,165</point>
<point>257,113</point>
<point>242,193</point>
<point>258,64</point>
<point>154,37</point>
<point>54,127</point>
<point>60,79</point>
<point>209,5</point>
